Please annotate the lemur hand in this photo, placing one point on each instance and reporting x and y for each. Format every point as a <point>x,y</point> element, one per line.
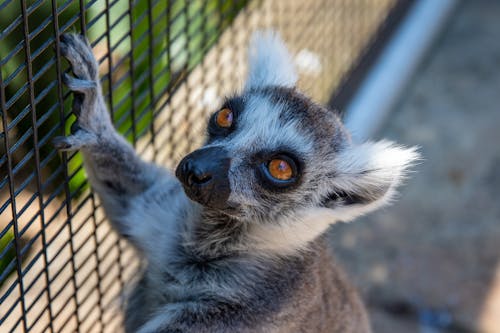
<point>93,120</point>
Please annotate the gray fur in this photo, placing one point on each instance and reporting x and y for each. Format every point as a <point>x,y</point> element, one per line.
<point>260,264</point>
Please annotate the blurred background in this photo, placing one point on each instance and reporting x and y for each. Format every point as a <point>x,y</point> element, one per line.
<point>431,262</point>
<point>419,72</point>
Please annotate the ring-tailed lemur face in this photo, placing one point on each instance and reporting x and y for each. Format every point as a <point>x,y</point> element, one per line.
<point>280,145</point>
<point>272,152</point>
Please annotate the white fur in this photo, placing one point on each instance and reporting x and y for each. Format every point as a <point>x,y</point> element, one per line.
<point>381,164</point>
<point>260,129</point>
<point>162,317</point>
<point>290,235</point>
<point>269,61</point>
<point>372,164</point>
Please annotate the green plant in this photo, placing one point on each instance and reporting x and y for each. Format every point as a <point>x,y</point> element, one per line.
<point>7,255</point>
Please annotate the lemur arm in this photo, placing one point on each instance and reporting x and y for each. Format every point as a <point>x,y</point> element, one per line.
<point>114,170</point>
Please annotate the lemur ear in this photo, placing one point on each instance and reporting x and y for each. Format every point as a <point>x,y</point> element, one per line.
<point>269,62</point>
<point>367,176</point>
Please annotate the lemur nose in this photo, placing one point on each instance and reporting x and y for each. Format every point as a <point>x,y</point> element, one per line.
<point>204,175</point>
<point>198,177</point>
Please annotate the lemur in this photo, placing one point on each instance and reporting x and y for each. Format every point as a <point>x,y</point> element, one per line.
<point>234,241</point>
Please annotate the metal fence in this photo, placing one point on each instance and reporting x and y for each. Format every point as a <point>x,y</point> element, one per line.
<point>62,269</point>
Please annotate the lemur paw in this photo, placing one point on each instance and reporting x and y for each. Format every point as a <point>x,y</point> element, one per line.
<point>88,105</point>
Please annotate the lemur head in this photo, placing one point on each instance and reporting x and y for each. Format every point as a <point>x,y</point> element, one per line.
<point>273,155</point>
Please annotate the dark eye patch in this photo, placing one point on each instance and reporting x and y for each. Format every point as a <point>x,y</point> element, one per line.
<point>236,105</point>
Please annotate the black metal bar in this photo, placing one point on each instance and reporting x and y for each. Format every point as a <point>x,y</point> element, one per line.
<point>11,188</point>
<point>98,16</point>
<point>41,212</point>
<point>13,306</point>
<point>11,77</point>
<point>50,111</point>
<point>22,139</point>
<point>112,110</point>
<point>34,302</point>
<point>87,315</point>
<point>64,156</point>
<point>96,242</point>
<point>8,225</point>
<point>11,27</point>
<point>83,11</point>
<point>37,318</point>
<point>168,53</point>
<point>8,268</point>
<point>5,4</point>
<point>68,24</point>
<point>152,102</point>
<point>44,92</point>
<point>109,76</point>
<point>132,71</point>
<point>33,7</point>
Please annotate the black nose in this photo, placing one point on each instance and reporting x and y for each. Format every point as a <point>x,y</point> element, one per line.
<point>195,176</point>
<point>204,175</point>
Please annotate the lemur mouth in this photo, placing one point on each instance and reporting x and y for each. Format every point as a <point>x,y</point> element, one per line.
<point>227,208</point>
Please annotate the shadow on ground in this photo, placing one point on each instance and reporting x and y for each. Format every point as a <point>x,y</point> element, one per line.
<point>431,263</point>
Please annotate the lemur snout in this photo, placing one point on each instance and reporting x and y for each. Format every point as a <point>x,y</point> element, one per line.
<point>204,175</point>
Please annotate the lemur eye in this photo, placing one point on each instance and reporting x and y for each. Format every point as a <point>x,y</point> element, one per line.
<point>280,169</point>
<point>224,118</point>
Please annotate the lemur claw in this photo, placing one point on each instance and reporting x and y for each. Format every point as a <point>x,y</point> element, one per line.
<point>61,143</point>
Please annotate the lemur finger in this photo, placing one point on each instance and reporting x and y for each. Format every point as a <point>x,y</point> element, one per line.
<point>77,50</point>
<point>68,50</point>
<point>66,143</point>
<point>79,85</point>
<point>61,143</point>
<point>78,140</point>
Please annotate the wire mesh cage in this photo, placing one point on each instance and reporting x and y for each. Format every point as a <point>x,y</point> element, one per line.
<point>164,66</point>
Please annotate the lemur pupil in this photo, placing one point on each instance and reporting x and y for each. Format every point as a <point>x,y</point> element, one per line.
<point>280,169</point>
<point>224,118</point>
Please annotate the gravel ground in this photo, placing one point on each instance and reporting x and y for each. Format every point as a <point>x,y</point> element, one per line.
<point>431,262</point>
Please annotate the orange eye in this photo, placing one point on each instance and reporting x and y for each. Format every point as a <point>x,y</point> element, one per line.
<point>224,118</point>
<point>280,169</point>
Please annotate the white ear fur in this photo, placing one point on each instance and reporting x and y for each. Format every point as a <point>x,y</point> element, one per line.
<point>269,62</point>
<point>371,171</point>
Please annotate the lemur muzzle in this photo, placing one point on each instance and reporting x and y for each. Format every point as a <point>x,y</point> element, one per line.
<point>204,175</point>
